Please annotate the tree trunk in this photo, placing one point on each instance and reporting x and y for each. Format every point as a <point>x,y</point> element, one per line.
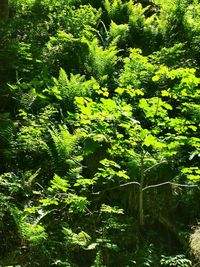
<point>141,196</point>
<point>141,208</point>
<point>4,9</point>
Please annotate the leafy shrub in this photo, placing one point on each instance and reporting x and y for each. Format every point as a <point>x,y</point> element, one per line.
<point>178,261</point>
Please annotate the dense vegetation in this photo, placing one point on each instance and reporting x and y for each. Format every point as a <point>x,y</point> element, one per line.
<point>99,133</point>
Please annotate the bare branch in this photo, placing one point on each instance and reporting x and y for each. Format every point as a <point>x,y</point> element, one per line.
<point>165,183</point>
<point>115,187</point>
<point>145,188</point>
<point>155,165</point>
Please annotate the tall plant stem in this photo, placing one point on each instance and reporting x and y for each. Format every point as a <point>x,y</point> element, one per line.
<point>141,194</point>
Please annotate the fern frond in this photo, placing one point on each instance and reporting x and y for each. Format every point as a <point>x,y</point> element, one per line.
<point>28,99</point>
<point>6,130</point>
<point>101,61</point>
<point>64,142</point>
<point>33,177</point>
<point>118,11</point>
<point>66,88</point>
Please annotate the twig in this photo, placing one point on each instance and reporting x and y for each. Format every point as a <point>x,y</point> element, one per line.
<point>148,169</point>
<point>39,185</point>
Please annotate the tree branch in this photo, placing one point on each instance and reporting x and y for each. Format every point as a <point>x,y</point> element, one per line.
<point>157,164</point>
<point>115,187</point>
<point>145,188</point>
<point>165,183</point>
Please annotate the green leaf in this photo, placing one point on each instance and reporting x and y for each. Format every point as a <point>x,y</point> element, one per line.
<point>119,90</point>
<point>150,140</point>
<point>47,201</point>
<point>122,174</point>
<point>155,78</point>
<point>92,246</point>
<point>58,183</point>
<point>109,209</point>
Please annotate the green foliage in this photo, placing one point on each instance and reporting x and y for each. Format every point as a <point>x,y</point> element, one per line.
<point>193,173</point>
<point>137,17</point>
<point>59,52</point>
<point>119,31</point>
<point>101,62</point>
<point>108,209</point>
<point>81,239</point>
<point>6,129</point>
<point>172,57</point>
<point>35,234</point>
<point>30,231</point>
<point>179,260</point>
<point>98,262</point>
<point>118,10</point>
<point>137,70</point>
<point>145,256</point>
<point>31,136</point>
<point>99,133</point>
<point>59,184</point>
<point>10,186</point>
<point>65,89</point>
<point>64,142</point>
